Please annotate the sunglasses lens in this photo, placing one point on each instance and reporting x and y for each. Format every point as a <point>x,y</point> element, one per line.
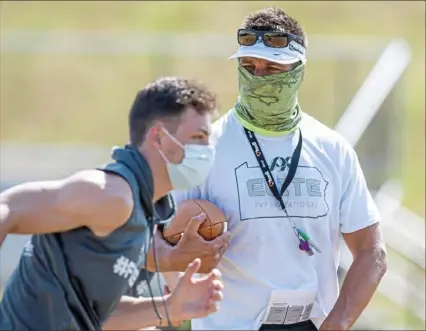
<point>275,40</point>
<point>246,38</point>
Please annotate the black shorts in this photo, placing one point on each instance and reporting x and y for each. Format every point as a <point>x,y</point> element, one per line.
<point>301,326</point>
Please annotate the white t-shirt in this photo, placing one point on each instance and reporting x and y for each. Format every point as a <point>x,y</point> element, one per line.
<point>328,196</point>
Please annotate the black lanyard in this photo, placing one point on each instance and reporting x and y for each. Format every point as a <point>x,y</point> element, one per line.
<point>304,242</point>
<point>267,172</point>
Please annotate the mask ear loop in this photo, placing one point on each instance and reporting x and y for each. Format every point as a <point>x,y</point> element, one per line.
<point>175,141</point>
<point>172,137</point>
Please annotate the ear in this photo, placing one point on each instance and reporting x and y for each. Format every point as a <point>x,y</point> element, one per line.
<point>154,136</point>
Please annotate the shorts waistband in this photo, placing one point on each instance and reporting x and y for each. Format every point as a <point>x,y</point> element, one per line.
<point>301,326</point>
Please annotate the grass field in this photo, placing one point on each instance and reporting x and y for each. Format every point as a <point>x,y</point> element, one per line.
<point>84,99</point>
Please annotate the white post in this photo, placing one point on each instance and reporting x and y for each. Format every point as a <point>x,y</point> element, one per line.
<point>373,92</point>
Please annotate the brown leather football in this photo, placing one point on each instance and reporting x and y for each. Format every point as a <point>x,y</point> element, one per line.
<point>211,228</point>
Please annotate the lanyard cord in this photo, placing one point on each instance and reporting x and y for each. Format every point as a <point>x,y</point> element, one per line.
<point>295,158</point>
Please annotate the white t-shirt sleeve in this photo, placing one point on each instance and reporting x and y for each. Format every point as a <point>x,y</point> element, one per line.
<point>357,207</point>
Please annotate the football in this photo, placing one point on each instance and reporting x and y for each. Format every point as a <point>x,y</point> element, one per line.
<point>214,225</point>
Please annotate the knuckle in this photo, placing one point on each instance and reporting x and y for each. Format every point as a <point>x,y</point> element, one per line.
<point>217,273</point>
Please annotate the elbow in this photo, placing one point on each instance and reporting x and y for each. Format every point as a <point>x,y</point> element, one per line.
<point>375,260</point>
<point>381,261</point>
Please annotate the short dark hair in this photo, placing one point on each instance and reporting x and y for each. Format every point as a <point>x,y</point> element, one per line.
<point>166,99</point>
<point>274,19</point>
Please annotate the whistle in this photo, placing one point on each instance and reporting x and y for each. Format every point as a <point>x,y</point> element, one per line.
<point>306,238</point>
<point>304,246</point>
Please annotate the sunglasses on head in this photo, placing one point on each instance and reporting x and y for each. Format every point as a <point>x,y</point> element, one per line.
<point>274,39</point>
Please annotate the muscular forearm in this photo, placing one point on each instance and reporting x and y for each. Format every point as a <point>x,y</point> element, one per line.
<point>136,313</point>
<point>360,283</point>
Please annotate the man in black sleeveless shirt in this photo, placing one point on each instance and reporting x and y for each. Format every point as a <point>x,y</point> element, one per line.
<point>93,229</point>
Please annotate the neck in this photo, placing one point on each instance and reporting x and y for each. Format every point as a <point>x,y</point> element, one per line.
<point>160,177</point>
<point>263,123</point>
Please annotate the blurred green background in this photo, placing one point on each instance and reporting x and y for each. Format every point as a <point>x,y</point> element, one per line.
<point>83,99</point>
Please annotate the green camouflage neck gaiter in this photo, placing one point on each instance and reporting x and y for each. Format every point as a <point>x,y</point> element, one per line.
<point>270,102</point>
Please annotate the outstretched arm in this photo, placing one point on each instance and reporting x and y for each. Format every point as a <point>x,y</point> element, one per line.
<point>89,198</point>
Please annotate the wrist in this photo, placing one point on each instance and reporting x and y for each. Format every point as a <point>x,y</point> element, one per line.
<point>173,313</point>
<point>161,303</point>
<point>162,255</point>
<point>173,256</point>
<point>335,323</point>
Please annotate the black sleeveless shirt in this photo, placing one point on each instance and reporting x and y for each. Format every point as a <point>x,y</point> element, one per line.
<point>73,280</point>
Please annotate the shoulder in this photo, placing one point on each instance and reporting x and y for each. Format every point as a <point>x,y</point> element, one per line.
<point>224,127</point>
<point>100,195</point>
<point>106,185</point>
<point>329,141</point>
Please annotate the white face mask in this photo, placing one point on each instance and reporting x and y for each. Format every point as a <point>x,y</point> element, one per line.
<point>194,168</point>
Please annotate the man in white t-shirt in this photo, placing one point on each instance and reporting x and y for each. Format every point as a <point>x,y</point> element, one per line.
<point>290,187</point>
